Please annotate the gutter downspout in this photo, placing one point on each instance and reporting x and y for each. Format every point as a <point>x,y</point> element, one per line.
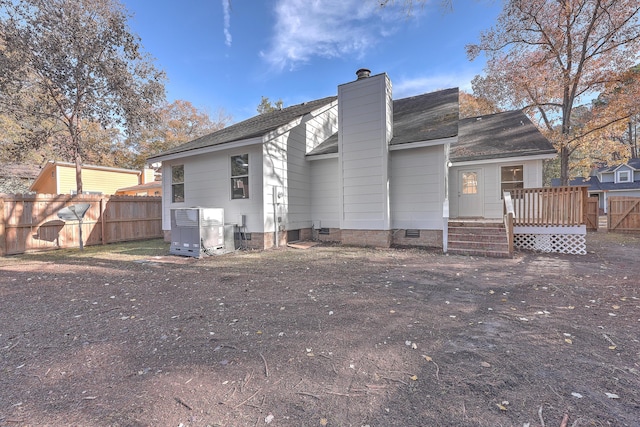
<point>276,222</point>
<point>445,203</point>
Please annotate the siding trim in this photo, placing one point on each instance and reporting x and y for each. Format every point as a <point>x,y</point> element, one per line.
<point>420,144</point>
<point>503,160</point>
<point>322,157</point>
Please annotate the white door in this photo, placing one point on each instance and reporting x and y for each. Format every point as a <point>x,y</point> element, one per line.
<point>470,193</point>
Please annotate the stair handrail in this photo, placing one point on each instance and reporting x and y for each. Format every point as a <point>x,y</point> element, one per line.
<point>508,219</point>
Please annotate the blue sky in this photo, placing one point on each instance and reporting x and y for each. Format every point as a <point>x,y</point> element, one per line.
<point>229,53</point>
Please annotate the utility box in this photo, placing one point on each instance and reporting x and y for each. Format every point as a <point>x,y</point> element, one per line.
<point>197,231</point>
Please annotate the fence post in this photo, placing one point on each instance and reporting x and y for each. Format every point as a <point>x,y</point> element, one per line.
<point>585,198</point>
<point>3,238</point>
<point>102,227</point>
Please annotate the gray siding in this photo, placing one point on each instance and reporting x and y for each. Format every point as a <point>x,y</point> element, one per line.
<point>287,170</point>
<point>490,184</point>
<point>321,126</point>
<point>207,183</point>
<point>417,188</point>
<point>363,152</point>
<point>325,194</point>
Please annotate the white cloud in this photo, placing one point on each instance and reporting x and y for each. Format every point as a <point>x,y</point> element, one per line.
<point>305,29</point>
<point>226,7</point>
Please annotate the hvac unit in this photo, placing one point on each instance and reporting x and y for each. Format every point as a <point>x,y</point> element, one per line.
<point>197,231</point>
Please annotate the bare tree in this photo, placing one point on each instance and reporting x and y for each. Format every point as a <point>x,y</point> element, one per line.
<point>69,62</point>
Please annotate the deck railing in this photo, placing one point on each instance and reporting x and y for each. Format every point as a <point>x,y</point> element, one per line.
<point>549,206</point>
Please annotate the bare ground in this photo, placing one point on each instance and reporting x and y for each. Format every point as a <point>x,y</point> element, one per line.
<point>127,335</point>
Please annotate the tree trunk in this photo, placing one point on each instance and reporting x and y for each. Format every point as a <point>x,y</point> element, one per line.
<point>78,173</point>
<point>632,142</point>
<point>564,165</point>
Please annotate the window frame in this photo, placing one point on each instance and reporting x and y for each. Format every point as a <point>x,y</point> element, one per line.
<point>513,184</point>
<point>239,174</point>
<point>625,172</point>
<point>175,196</point>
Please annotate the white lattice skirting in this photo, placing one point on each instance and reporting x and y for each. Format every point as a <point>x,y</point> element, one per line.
<point>562,240</point>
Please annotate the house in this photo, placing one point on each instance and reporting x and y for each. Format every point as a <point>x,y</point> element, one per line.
<point>15,178</point>
<point>60,178</point>
<point>149,188</point>
<point>359,168</point>
<point>617,180</point>
<point>153,188</point>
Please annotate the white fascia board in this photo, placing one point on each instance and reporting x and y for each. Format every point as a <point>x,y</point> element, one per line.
<point>206,150</point>
<point>620,166</point>
<point>504,160</point>
<point>421,144</point>
<point>322,156</point>
<point>616,190</point>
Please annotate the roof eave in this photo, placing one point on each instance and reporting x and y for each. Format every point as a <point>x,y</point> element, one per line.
<point>205,150</point>
<point>465,161</point>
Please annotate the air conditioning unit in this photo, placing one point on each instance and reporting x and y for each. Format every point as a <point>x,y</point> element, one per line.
<point>198,231</point>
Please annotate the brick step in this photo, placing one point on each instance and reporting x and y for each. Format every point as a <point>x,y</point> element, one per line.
<point>489,246</point>
<point>478,239</point>
<point>478,230</point>
<point>463,237</point>
<point>480,253</point>
<point>471,224</point>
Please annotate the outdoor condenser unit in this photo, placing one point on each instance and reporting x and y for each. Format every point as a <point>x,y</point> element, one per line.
<point>197,231</point>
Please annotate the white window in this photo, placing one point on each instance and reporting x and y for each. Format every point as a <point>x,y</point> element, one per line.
<point>177,183</point>
<point>511,177</point>
<point>469,182</point>
<point>624,176</point>
<point>240,176</point>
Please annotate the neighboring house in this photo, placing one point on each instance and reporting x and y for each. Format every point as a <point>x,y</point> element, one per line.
<point>16,178</point>
<point>617,180</point>
<point>60,178</point>
<point>359,168</point>
<point>153,188</point>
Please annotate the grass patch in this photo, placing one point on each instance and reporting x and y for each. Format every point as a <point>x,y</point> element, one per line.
<point>125,251</point>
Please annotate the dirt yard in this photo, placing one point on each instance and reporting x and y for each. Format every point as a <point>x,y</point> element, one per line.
<point>126,335</point>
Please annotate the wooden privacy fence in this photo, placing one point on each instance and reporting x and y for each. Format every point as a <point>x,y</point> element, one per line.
<point>592,215</point>
<point>31,223</point>
<point>549,206</point>
<point>623,213</point>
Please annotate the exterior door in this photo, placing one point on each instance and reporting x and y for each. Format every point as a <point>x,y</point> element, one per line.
<point>470,193</point>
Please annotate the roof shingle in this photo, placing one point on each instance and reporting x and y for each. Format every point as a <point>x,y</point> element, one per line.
<point>500,135</point>
<point>254,127</point>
